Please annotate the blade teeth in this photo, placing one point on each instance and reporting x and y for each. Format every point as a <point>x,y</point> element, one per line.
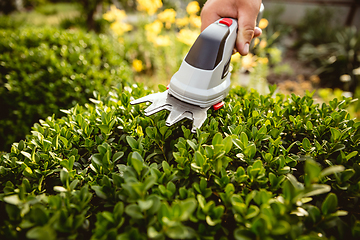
<point>199,119</point>
<point>147,98</point>
<point>153,107</point>
<point>180,117</point>
<point>178,111</point>
<point>156,109</point>
<point>155,97</point>
<point>174,116</point>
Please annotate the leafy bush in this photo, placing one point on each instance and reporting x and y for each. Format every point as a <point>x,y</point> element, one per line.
<point>43,70</point>
<point>261,167</point>
<point>314,27</point>
<point>334,59</point>
<point>7,22</point>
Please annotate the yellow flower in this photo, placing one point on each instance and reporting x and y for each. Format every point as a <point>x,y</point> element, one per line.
<point>137,65</point>
<point>167,17</point>
<point>235,57</point>
<point>153,29</point>
<point>248,61</point>
<point>149,6</point>
<point>263,60</point>
<point>193,7</point>
<point>120,28</point>
<point>256,41</point>
<point>263,43</point>
<point>263,23</point>
<point>182,22</point>
<point>187,36</point>
<point>195,21</point>
<point>117,16</point>
<point>162,41</point>
<point>114,14</point>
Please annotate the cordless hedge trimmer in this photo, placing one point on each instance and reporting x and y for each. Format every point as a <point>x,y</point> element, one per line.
<point>203,79</point>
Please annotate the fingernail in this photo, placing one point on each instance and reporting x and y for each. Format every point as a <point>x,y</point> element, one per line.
<point>246,49</point>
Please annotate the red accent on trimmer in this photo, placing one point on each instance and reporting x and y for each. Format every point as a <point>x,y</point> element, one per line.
<point>226,21</point>
<point>218,106</point>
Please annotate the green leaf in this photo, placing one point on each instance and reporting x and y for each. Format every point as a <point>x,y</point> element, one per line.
<point>132,142</point>
<point>281,228</point>
<point>104,128</point>
<point>306,144</point>
<point>134,211</point>
<point>212,222</point>
<point>252,212</point>
<point>118,210</point>
<point>21,145</point>
<point>312,172</point>
<point>227,144</point>
<point>12,199</point>
<point>98,191</point>
<point>153,234</point>
<point>250,151</point>
<point>337,147</point>
<point>242,234</point>
<point>145,205</point>
<point>331,170</point>
<point>42,232</point>
<point>97,159</point>
<point>187,206</point>
<point>217,139</point>
<point>335,134</point>
<point>117,156</point>
<point>351,155</point>
<point>244,139</point>
<point>108,216</point>
<point>199,159</point>
<point>309,126</point>
<point>179,231</point>
<point>162,88</point>
<point>60,189</point>
<point>317,189</point>
<point>137,162</point>
<point>26,154</point>
<point>330,204</point>
<point>192,144</point>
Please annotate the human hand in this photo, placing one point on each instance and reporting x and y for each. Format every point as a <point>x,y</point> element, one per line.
<point>245,11</point>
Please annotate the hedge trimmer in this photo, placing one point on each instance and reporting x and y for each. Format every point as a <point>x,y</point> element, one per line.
<point>203,79</point>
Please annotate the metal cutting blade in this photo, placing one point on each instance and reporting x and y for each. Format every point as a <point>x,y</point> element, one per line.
<point>178,109</point>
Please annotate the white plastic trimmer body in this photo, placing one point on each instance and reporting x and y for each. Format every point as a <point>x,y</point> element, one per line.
<point>203,78</point>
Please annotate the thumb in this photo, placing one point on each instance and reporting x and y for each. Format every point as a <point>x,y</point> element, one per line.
<point>246,26</point>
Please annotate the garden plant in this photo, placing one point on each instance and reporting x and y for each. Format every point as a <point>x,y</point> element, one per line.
<point>45,69</point>
<point>262,167</point>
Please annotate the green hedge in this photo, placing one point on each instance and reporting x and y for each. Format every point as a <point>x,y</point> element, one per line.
<point>261,167</point>
<point>44,70</point>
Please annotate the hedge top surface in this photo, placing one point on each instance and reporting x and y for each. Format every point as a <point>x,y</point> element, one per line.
<point>262,167</point>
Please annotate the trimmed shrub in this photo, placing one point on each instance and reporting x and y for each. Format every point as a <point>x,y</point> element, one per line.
<point>44,70</point>
<point>261,167</point>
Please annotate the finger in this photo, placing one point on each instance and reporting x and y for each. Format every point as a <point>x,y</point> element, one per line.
<point>257,32</point>
<point>247,30</point>
<point>214,10</point>
<point>207,19</point>
<point>245,34</point>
